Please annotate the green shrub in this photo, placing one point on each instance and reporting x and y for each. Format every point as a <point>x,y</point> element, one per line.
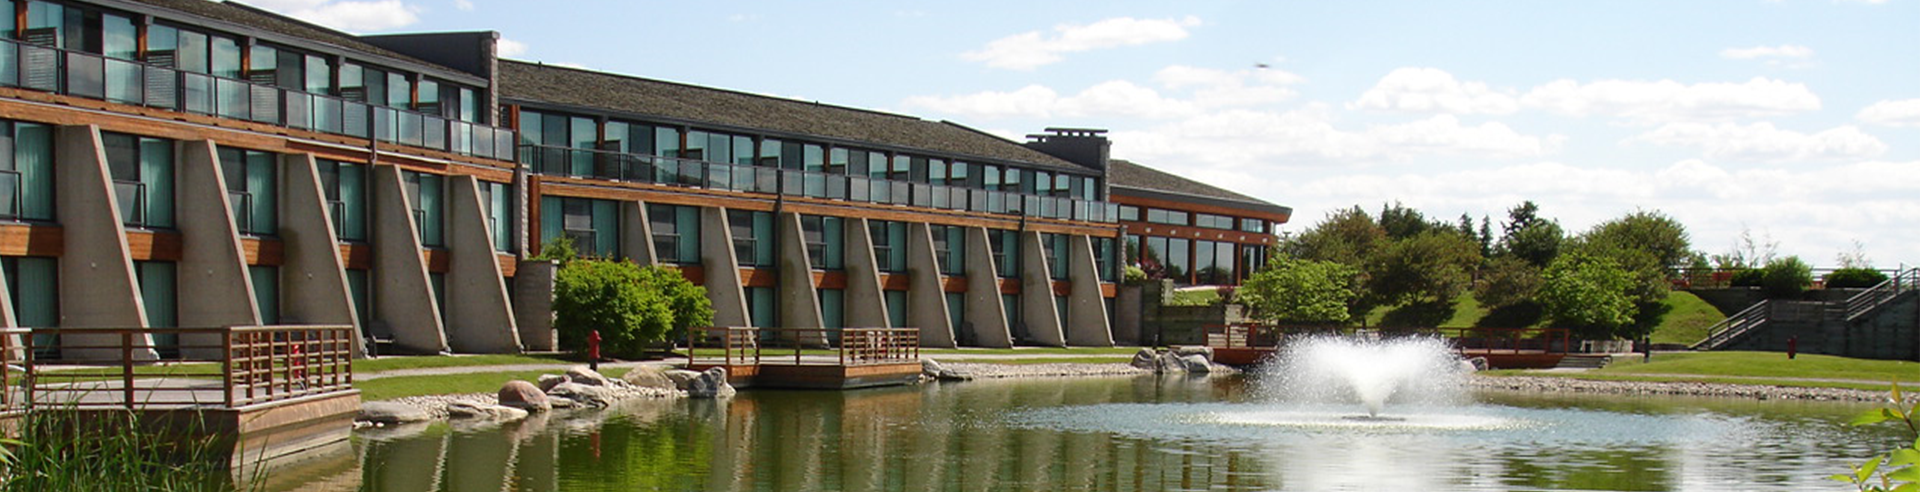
<point>631,307</point>
<point>1133,275</point>
<point>1747,278</point>
<point>1786,277</point>
<point>1854,278</point>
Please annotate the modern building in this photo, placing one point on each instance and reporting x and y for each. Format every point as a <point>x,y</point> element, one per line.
<point>196,163</point>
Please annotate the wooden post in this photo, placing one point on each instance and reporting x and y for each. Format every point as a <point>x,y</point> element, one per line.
<point>226,366</point>
<point>126,366</point>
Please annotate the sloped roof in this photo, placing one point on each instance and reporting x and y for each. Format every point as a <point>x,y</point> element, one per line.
<point>265,21</point>
<point>1125,176</point>
<point>539,83</point>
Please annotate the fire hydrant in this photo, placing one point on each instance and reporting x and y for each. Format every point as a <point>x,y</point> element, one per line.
<point>593,350</point>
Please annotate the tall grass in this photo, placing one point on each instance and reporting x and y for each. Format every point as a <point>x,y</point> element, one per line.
<point>60,449</point>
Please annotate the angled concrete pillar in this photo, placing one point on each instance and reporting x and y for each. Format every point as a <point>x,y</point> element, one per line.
<point>986,316</point>
<point>636,234</point>
<point>402,296</point>
<point>1087,324</point>
<point>722,269</point>
<point>926,300</point>
<point>866,306</point>
<point>533,304</point>
<point>313,276</point>
<point>96,270</point>
<point>211,260</point>
<point>482,321</point>
<point>1037,308</point>
<point>799,298</point>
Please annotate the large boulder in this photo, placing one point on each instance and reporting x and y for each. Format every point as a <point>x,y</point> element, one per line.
<point>649,377</point>
<point>930,368</point>
<point>681,377</point>
<point>1203,351</point>
<point>1169,363</point>
<point>1146,358</point>
<point>548,381</point>
<point>525,396</point>
<point>711,384</point>
<point>471,410</point>
<point>583,394</point>
<point>586,376</point>
<point>390,413</point>
<point>1195,364</point>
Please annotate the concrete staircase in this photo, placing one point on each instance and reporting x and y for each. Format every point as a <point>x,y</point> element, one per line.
<point>1584,361</point>
<point>1881,322</point>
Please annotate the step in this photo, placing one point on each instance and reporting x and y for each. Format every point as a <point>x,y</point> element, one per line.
<point>1576,361</point>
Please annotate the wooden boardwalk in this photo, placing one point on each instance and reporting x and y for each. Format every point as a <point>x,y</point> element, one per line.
<point>808,358</point>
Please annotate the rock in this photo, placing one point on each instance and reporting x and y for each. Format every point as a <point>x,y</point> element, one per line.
<point>525,396</point>
<point>710,384</point>
<point>389,413</point>
<point>953,375</point>
<point>1196,364</point>
<point>586,376</point>
<point>548,381</point>
<point>681,377</point>
<point>1202,351</point>
<point>1473,364</point>
<point>1145,359</point>
<point>471,410</point>
<point>649,377</point>
<point>1168,362</point>
<point>930,367</point>
<point>562,403</point>
<point>581,393</point>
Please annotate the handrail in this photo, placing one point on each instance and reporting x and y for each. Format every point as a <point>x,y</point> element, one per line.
<point>695,173</point>
<point>1739,324</point>
<point>134,82</point>
<point>758,346</point>
<point>1878,295</point>
<point>227,367</point>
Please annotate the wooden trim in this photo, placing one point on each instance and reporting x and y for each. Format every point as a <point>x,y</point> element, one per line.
<point>954,284</point>
<point>437,259</point>
<point>1150,229</point>
<point>830,279</point>
<point>1009,286</point>
<point>263,251</point>
<point>535,187</point>
<point>1138,201</point>
<point>1062,287</point>
<point>509,264</point>
<point>693,273</point>
<point>1109,290</point>
<point>32,240</point>
<point>759,277</point>
<point>153,245</point>
<point>357,256</point>
<point>896,281</point>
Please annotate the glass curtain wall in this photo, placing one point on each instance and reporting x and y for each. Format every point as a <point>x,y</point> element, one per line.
<point>251,177</point>
<point>26,171</point>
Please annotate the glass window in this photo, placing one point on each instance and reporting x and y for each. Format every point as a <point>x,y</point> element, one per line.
<point>592,224</point>
<point>889,244</point>
<point>769,153</point>
<point>815,157</point>
<point>833,308</point>
<point>1103,258</point>
<point>427,98</point>
<point>1253,225</point>
<point>142,172</point>
<point>1005,246</point>
<point>191,56</point>
<point>319,74</point>
<point>825,238</point>
<point>345,184</point>
<point>666,141</point>
<point>427,192</point>
<point>119,38</point>
<point>676,232</point>
<point>251,189</point>
<point>752,237</point>
<point>26,171</point>
<point>158,285</point>
<point>949,249</point>
<point>497,198</point>
<point>760,307</point>
<point>399,91</point>
<point>1129,213</point>
<point>837,161</point>
<point>1056,252</point>
<point>224,57</point>
<point>896,308</point>
<point>1179,264</point>
<point>266,292</point>
<point>34,287</point>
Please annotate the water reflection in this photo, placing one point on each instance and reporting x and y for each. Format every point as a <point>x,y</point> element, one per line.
<point>1130,434</point>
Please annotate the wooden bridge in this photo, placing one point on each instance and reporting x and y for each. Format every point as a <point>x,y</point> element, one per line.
<point>811,358</point>
<point>1503,348</point>
<point>264,391</point>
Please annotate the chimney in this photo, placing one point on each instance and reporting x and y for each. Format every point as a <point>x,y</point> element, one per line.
<point>1087,147</point>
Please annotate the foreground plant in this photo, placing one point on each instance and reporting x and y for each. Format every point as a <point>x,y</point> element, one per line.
<point>1896,470</point>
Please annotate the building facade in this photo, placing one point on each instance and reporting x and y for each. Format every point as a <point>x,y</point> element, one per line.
<point>193,163</point>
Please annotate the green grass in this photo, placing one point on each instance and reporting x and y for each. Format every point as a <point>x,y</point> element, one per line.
<point>1055,360</point>
<point>1687,319</point>
<point>391,363</point>
<point>1794,383</point>
<point>1194,297</point>
<point>1035,351</point>
<point>1759,368</point>
<point>445,384</point>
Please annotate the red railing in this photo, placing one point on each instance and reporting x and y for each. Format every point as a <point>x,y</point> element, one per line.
<point>790,346</point>
<point>1511,340</point>
<point>162,367</point>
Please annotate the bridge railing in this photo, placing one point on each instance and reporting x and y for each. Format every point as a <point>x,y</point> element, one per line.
<point>1515,340</point>
<point>802,346</point>
<point>158,367</point>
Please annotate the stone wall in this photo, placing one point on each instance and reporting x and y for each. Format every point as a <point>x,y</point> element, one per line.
<point>1891,331</point>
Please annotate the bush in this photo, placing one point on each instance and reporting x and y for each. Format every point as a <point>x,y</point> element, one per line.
<point>1750,277</point>
<point>1133,275</point>
<point>1302,291</point>
<point>1786,277</point>
<point>631,307</point>
<point>1854,278</point>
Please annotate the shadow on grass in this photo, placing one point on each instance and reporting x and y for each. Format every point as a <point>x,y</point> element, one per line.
<point>1520,315</point>
<point>1418,315</point>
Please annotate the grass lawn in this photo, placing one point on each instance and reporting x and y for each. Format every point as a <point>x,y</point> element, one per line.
<point>479,382</point>
<point>1055,360</point>
<point>1128,351</point>
<point>1687,320</point>
<point>1766,368</point>
<point>1194,297</point>
<point>395,362</point>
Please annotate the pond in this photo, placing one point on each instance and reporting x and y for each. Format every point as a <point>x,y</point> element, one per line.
<point>1134,433</point>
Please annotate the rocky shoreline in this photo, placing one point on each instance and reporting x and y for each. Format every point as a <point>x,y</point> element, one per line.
<point>1536,384</point>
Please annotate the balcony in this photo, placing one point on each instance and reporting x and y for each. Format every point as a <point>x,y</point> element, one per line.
<point>634,168</point>
<point>93,76</point>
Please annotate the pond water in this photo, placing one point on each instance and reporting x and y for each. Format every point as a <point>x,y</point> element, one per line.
<point>1122,434</point>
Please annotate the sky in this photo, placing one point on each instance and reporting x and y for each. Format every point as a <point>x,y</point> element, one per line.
<point>1786,122</point>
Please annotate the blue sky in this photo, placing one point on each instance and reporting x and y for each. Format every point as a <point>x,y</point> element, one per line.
<point>1794,121</point>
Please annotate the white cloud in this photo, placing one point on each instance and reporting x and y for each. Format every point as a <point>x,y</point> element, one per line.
<point>1643,102</point>
<point>1431,90</point>
<point>463,5</point>
<point>1763,143</point>
<point>1029,50</point>
<point>350,16</point>
<point>1188,92</point>
<point>508,48</point>
<point>1904,112</point>
<point>1759,52</point>
<point>1308,138</point>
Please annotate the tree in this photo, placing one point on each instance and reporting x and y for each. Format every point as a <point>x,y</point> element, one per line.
<point>1435,266</point>
<point>1786,278</point>
<point>1346,236</point>
<point>1519,217</point>
<point>1486,237</point>
<point>1302,291</point>
<point>1662,238</point>
<point>1538,242</point>
<point>1507,281</point>
<point>1400,222</point>
<point>630,306</point>
<point>1589,293</point>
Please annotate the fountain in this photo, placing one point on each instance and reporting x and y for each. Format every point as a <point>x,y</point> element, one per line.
<point>1369,372</point>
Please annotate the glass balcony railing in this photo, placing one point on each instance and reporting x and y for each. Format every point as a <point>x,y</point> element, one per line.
<point>132,196</point>
<point>616,166</point>
<point>94,76</point>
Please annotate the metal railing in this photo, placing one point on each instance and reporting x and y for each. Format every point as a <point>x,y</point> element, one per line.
<point>1720,278</point>
<point>674,171</point>
<point>1896,284</point>
<point>93,76</point>
<point>226,367</point>
<point>1734,326</point>
<point>803,346</point>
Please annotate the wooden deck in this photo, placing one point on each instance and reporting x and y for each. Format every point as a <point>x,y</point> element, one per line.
<point>808,358</point>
